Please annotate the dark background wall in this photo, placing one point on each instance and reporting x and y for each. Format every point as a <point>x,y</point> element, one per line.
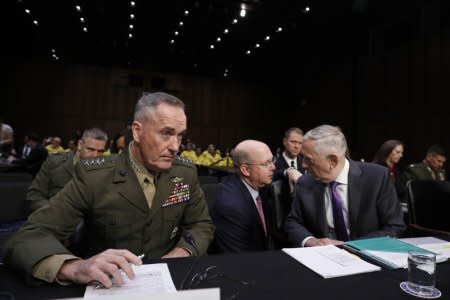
<point>380,82</point>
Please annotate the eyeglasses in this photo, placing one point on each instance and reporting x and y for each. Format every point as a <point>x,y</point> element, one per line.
<point>265,164</point>
<point>212,272</point>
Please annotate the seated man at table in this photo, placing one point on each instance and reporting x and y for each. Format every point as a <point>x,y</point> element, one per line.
<point>146,201</point>
<point>339,199</point>
<point>242,211</point>
<point>58,169</point>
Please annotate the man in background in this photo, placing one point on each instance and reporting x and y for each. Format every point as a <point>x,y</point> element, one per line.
<point>59,168</point>
<point>431,168</point>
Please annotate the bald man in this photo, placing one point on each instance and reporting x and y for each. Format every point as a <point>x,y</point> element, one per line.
<point>242,210</point>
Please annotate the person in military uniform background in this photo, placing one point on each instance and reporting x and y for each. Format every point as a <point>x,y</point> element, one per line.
<point>58,169</point>
<point>431,168</point>
<point>144,201</point>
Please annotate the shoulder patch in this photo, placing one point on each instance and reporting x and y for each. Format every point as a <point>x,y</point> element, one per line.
<point>179,160</point>
<point>95,163</point>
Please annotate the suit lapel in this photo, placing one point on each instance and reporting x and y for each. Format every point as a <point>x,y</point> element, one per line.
<point>131,189</point>
<point>250,203</point>
<point>354,195</point>
<point>318,204</point>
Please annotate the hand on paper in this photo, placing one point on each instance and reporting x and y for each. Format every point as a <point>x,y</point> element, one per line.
<point>322,242</point>
<point>103,267</point>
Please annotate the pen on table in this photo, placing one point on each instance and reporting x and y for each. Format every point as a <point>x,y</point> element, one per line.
<point>101,286</point>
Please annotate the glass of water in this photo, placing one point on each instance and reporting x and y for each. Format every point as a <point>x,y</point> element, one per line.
<point>422,273</point>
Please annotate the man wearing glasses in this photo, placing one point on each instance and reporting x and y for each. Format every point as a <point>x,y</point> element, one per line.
<point>242,208</point>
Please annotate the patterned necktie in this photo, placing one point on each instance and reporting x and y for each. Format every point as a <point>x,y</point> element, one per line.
<point>261,213</point>
<point>338,214</point>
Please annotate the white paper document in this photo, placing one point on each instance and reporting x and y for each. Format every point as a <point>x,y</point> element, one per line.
<point>149,279</point>
<point>438,246</point>
<point>330,261</point>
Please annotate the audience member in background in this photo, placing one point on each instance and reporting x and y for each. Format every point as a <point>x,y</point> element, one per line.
<point>226,161</point>
<point>32,163</point>
<point>6,139</point>
<point>389,155</point>
<point>59,168</point>
<point>431,168</point>
<point>144,201</point>
<point>189,153</point>
<point>55,146</point>
<point>71,146</point>
<point>289,163</point>
<point>340,199</point>
<point>26,149</point>
<point>198,153</point>
<point>242,211</point>
<point>209,156</point>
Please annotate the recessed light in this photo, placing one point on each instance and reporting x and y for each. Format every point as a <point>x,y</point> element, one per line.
<point>27,11</point>
<point>85,29</point>
<point>257,45</point>
<point>131,26</point>
<point>172,41</point>
<point>218,39</point>
<point>82,20</point>
<point>235,21</point>
<point>267,37</point>
<point>78,8</point>
<point>130,35</point>
<point>279,29</point>
<point>132,3</point>
<point>243,13</point>
<point>211,46</point>
<point>248,52</point>
<point>176,32</point>
<point>225,31</point>
<point>186,12</point>
<point>35,22</point>
<point>131,16</point>
<point>181,23</point>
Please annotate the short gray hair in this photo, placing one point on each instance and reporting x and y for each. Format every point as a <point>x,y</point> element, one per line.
<point>240,156</point>
<point>94,133</point>
<point>328,139</point>
<point>149,101</point>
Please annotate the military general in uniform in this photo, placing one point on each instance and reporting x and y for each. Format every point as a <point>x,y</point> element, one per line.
<point>431,168</point>
<point>144,201</point>
<point>58,169</point>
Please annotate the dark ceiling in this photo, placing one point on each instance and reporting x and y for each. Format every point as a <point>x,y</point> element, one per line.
<point>107,42</point>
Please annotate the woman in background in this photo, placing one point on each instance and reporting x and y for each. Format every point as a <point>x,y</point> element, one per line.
<point>389,155</point>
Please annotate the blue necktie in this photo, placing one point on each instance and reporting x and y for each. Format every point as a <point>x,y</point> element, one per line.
<point>338,214</point>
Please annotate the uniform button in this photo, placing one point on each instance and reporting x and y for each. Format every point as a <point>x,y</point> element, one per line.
<point>122,173</point>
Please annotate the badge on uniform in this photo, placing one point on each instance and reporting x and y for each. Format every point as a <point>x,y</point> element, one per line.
<point>180,193</point>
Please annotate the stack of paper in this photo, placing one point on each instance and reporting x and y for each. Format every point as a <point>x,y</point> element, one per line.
<point>330,261</point>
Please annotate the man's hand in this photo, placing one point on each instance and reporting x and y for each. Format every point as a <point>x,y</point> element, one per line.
<point>177,252</point>
<point>101,267</point>
<point>322,242</point>
<point>293,175</point>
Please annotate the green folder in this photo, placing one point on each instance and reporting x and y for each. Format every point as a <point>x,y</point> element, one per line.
<point>382,244</point>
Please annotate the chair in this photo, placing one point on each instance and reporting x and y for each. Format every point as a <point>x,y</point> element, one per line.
<point>13,201</point>
<point>15,177</point>
<point>429,206</point>
<point>281,202</point>
<point>210,190</point>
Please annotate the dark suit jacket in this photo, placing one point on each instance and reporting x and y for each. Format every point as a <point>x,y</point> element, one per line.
<point>33,162</point>
<point>281,165</point>
<point>238,225</point>
<point>374,209</point>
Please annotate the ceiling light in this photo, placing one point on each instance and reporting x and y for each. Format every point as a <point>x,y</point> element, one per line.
<point>225,31</point>
<point>130,35</point>
<point>225,74</point>
<point>218,39</point>
<point>132,3</point>
<point>248,52</point>
<point>235,21</point>
<point>211,46</point>
<point>176,32</point>
<point>181,23</point>
<point>226,70</point>
<point>85,29</point>
<point>172,41</point>
<point>243,13</point>
<point>307,9</point>
<point>78,8</point>
<point>131,26</point>
<point>82,20</point>
<point>53,50</point>
<point>35,22</point>
<point>27,11</point>
<point>186,12</point>
<point>267,38</point>
<point>131,16</point>
<point>257,45</point>
<point>279,29</point>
